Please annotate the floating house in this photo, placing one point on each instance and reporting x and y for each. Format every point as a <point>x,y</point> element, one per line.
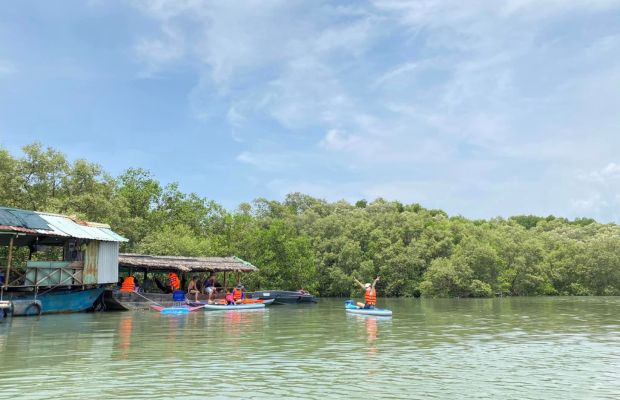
<point>140,266</point>
<point>54,263</point>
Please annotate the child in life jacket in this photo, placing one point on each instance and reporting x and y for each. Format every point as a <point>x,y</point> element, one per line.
<point>229,298</point>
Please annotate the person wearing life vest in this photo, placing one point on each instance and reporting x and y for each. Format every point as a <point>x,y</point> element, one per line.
<point>129,284</point>
<point>173,281</point>
<point>238,294</point>
<point>370,294</point>
<point>230,300</point>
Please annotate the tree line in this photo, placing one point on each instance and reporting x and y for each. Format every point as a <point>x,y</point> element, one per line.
<point>308,242</point>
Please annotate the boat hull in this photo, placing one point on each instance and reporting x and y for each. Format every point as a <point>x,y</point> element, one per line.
<point>6,309</point>
<point>375,312</point>
<point>176,310</point>
<point>116,300</point>
<point>236,307</point>
<point>284,297</point>
<point>57,301</point>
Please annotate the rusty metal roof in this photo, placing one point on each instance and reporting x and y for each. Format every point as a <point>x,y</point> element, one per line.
<point>40,223</point>
<point>19,229</point>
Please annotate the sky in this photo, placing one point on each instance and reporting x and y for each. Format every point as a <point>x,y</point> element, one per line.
<point>480,108</point>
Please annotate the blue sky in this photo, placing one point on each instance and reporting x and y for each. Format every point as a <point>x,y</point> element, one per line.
<point>482,108</point>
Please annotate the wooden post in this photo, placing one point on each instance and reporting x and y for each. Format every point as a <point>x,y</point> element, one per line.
<point>8,264</point>
<point>238,278</point>
<point>225,273</point>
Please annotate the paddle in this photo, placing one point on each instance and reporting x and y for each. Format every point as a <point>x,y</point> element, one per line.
<point>152,301</point>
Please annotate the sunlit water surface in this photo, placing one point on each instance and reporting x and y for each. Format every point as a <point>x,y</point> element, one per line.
<point>527,348</point>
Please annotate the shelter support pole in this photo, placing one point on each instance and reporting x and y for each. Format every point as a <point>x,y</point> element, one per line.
<point>8,263</point>
<point>225,276</point>
<point>238,278</point>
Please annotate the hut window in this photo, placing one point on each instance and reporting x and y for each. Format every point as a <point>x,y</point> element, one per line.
<point>74,250</point>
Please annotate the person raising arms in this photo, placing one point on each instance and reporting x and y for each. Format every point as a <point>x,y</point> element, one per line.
<point>370,294</point>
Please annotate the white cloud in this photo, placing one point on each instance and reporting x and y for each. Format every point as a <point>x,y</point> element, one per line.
<point>506,90</point>
<point>395,72</point>
<point>598,192</point>
<point>336,140</point>
<point>591,204</point>
<point>271,160</point>
<point>605,175</point>
<point>248,158</point>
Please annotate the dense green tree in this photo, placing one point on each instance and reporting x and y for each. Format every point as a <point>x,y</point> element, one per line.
<point>308,242</point>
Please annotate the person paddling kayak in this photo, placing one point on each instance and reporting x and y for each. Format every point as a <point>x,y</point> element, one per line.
<point>370,295</point>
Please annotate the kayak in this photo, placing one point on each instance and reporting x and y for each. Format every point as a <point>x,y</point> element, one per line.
<point>258,301</point>
<point>235,307</point>
<point>176,310</point>
<point>244,302</point>
<point>350,307</point>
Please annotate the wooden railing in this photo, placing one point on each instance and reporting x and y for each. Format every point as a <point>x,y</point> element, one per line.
<point>46,274</point>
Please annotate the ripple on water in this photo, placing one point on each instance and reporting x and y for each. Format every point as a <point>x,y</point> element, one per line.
<point>526,348</point>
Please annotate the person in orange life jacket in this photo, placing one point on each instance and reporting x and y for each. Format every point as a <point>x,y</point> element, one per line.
<point>238,294</point>
<point>229,298</point>
<point>129,284</point>
<point>370,294</point>
<point>192,288</point>
<point>173,281</point>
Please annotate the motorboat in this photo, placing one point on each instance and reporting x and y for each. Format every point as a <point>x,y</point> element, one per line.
<point>283,296</point>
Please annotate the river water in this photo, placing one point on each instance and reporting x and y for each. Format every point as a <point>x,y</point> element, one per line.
<point>527,348</point>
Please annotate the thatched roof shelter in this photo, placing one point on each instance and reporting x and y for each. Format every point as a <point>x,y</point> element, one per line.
<point>185,264</point>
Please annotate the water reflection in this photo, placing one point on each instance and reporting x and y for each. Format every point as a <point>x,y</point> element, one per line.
<point>512,348</point>
<point>124,334</point>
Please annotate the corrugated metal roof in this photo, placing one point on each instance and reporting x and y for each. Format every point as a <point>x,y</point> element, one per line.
<point>34,222</point>
<point>113,234</point>
<point>17,229</point>
<point>64,226</point>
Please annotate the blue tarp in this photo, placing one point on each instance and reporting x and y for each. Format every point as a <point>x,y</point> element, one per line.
<point>22,219</point>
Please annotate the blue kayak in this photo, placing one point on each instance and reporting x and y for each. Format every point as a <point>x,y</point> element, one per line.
<point>176,309</point>
<point>352,308</point>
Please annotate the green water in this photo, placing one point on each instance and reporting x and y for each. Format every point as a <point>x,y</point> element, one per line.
<point>539,348</point>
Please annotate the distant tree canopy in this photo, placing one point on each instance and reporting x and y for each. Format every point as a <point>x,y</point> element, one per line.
<point>308,242</point>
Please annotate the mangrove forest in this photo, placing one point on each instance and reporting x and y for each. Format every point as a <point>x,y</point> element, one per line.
<point>308,242</point>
